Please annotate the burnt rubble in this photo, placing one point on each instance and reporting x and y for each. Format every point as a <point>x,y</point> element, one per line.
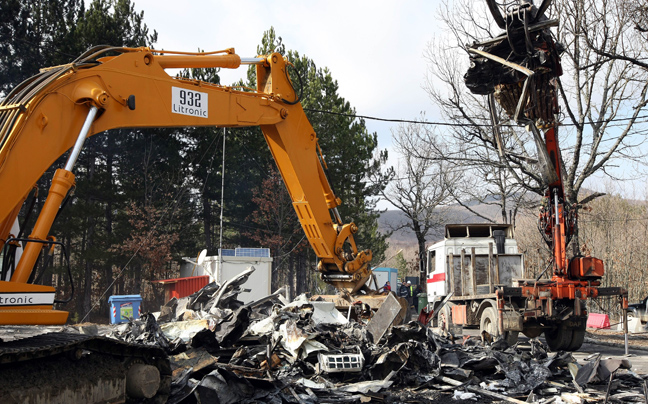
<point>274,351</point>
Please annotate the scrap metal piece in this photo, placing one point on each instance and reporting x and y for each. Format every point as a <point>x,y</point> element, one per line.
<point>464,395</point>
<point>325,312</point>
<point>231,284</point>
<point>628,396</point>
<point>182,386</point>
<point>412,331</point>
<point>263,327</point>
<point>587,372</point>
<point>461,374</point>
<point>184,330</point>
<point>297,342</point>
<point>194,360</point>
<point>232,328</point>
<point>366,387</point>
<point>384,318</point>
<point>167,311</point>
<point>608,366</point>
<point>307,383</point>
<point>224,387</point>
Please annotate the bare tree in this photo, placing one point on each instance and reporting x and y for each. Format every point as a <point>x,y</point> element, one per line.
<point>602,101</point>
<point>485,186</point>
<point>624,38</point>
<point>490,177</point>
<point>422,182</point>
<point>613,228</point>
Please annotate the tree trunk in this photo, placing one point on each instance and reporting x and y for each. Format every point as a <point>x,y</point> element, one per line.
<point>87,290</point>
<point>572,199</point>
<point>90,228</point>
<point>291,276</point>
<point>274,277</point>
<point>420,240</point>
<point>300,276</point>
<point>88,277</point>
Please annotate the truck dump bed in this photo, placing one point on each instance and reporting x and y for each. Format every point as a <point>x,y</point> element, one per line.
<point>469,261</point>
<point>487,272</point>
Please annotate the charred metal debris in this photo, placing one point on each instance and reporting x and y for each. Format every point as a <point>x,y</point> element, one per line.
<point>275,351</point>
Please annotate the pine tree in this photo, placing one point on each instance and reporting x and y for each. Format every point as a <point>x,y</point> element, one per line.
<point>347,146</point>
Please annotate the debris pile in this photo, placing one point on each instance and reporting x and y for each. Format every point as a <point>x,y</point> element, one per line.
<point>275,351</point>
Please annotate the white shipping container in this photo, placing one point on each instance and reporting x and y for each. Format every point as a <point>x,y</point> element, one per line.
<point>240,259</point>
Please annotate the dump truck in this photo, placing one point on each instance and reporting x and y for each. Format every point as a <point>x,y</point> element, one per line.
<point>481,265</point>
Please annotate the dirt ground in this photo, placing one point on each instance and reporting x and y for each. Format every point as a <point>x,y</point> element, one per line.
<point>637,340</point>
<point>611,344</point>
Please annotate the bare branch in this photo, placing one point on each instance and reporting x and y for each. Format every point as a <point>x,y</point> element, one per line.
<point>602,97</point>
<point>591,197</point>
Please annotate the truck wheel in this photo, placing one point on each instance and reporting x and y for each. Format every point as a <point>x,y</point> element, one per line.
<point>560,338</point>
<point>578,337</point>
<point>488,323</point>
<point>444,319</point>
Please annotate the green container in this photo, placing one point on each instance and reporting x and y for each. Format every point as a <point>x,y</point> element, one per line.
<point>422,300</point>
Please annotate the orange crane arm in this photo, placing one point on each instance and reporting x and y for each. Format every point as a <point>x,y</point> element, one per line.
<point>56,110</point>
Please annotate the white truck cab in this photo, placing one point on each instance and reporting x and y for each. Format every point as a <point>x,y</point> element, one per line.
<point>487,240</point>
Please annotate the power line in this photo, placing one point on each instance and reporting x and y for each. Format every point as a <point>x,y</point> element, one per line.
<point>375,118</point>
<point>635,219</point>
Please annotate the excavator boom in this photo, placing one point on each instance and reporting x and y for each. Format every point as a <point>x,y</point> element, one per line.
<point>109,88</point>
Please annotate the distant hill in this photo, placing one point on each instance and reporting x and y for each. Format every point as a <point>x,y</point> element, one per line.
<point>404,237</point>
<point>395,219</point>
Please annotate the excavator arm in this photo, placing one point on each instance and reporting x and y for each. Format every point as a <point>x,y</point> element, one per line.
<point>109,88</point>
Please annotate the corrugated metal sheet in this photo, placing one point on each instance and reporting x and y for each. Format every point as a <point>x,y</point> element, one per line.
<point>188,286</point>
<point>182,287</point>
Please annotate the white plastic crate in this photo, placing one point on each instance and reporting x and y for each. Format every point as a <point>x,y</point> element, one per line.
<point>346,362</point>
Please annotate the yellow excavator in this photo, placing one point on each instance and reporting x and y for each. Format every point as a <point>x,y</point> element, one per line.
<point>115,87</point>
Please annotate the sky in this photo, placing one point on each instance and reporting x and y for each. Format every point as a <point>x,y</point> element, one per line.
<point>374,49</point>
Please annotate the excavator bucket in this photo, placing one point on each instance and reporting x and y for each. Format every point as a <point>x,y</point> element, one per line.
<point>368,306</point>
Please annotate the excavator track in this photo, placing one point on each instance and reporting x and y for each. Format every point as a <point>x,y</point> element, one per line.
<point>64,368</point>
